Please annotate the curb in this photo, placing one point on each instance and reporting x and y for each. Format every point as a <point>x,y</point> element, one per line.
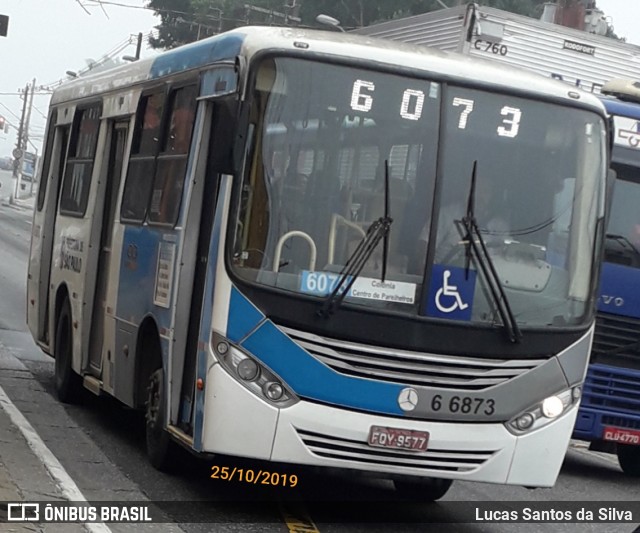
<point>20,206</point>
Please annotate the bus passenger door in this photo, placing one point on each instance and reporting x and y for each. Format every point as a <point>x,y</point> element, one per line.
<point>209,201</point>
<point>41,260</point>
<point>214,143</point>
<point>119,134</point>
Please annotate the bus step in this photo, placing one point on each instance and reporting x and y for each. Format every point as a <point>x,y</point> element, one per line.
<point>181,436</point>
<point>93,384</point>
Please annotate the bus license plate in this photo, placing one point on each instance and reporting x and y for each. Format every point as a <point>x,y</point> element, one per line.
<point>623,436</point>
<point>402,439</point>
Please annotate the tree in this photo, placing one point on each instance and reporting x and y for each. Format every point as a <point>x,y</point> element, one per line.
<point>183,21</point>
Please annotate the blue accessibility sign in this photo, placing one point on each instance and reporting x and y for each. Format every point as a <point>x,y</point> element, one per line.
<point>451,292</point>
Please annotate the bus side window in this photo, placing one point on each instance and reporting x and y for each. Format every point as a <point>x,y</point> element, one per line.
<point>146,139</point>
<point>77,174</point>
<point>172,161</point>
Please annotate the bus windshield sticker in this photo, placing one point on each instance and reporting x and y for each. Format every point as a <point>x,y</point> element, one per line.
<point>323,283</point>
<point>434,89</point>
<point>627,132</point>
<point>164,274</point>
<point>451,293</point>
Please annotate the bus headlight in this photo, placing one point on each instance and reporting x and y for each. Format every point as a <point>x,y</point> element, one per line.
<point>273,390</point>
<point>248,369</point>
<point>544,412</point>
<point>552,407</point>
<point>251,373</point>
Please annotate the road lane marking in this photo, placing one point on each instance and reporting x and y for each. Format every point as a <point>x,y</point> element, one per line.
<point>62,478</point>
<point>298,520</point>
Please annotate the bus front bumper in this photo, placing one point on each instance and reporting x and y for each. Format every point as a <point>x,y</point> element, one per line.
<point>320,435</point>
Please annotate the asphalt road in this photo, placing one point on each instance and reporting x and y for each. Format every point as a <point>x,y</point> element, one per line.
<point>101,445</point>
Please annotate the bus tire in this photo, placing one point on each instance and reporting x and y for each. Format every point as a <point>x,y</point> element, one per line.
<point>629,459</point>
<point>160,447</point>
<point>423,490</point>
<point>67,382</point>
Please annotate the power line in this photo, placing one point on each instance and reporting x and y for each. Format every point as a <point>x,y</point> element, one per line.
<point>95,3</point>
<point>40,112</point>
<point>12,113</point>
<point>37,93</point>
<point>94,64</point>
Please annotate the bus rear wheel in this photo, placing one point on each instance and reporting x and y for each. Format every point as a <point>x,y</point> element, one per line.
<point>67,382</point>
<point>423,490</point>
<point>160,447</point>
<point>629,459</point>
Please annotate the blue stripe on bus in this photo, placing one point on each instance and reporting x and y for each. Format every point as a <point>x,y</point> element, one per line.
<point>138,270</point>
<point>244,317</point>
<point>207,315</point>
<point>197,54</point>
<point>310,379</point>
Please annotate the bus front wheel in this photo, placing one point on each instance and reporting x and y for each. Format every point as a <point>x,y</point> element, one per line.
<point>629,459</point>
<point>159,443</point>
<point>67,382</point>
<point>423,490</point>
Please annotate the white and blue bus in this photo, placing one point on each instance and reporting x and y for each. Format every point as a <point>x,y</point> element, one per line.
<point>324,249</point>
<point>609,415</point>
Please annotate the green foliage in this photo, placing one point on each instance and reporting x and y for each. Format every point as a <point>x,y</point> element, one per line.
<point>184,21</point>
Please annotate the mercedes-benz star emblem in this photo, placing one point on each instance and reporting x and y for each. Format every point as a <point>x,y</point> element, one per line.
<point>408,399</point>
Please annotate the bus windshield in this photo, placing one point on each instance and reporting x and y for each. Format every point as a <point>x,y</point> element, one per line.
<point>315,182</point>
<point>622,245</point>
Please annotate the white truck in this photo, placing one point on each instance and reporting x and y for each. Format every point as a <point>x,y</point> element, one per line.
<point>582,59</point>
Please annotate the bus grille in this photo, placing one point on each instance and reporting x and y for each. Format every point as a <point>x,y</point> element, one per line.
<point>621,422</point>
<point>411,368</point>
<point>610,388</point>
<point>616,341</point>
<point>332,447</point>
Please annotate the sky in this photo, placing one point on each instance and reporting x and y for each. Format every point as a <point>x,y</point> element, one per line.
<point>47,38</point>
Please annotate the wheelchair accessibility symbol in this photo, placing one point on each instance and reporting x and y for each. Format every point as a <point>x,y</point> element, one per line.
<point>450,294</point>
<point>451,291</point>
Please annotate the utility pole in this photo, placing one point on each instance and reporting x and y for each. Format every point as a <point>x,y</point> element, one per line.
<point>25,134</point>
<point>23,139</point>
<point>18,153</point>
<point>138,46</point>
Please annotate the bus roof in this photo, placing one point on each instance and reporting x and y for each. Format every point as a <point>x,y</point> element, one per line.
<point>247,41</point>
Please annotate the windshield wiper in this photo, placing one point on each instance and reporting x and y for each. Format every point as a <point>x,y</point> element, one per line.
<point>624,242</point>
<point>379,230</point>
<point>625,253</point>
<point>475,240</point>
